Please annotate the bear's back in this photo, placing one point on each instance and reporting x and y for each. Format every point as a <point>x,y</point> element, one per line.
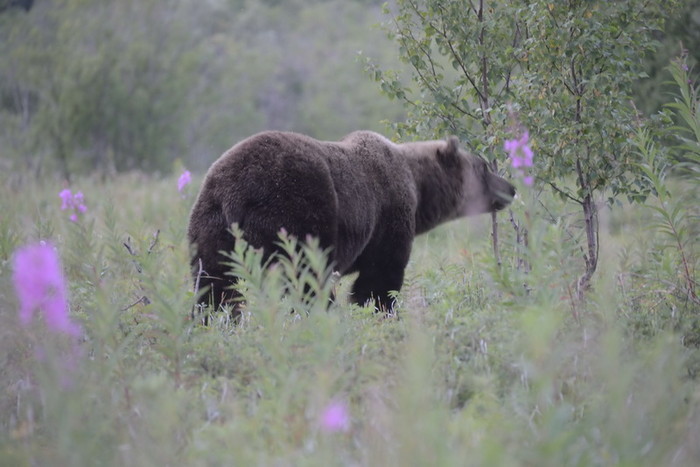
<point>361,154</point>
<point>363,178</point>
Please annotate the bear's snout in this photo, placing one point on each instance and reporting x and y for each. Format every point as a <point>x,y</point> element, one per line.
<point>503,193</point>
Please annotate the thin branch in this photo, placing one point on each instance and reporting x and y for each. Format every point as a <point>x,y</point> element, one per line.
<point>431,84</point>
<point>571,236</point>
<point>423,50</point>
<point>564,193</point>
<point>143,300</point>
<point>199,275</point>
<point>154,241</point>
<point>443,33</point>
<point>566,85</point>
<point>127,245</point>
<point>462,66</point>
<point>516,36</point>
<point>484,68</point>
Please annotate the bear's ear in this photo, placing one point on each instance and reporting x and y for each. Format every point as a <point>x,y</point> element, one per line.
<point>449,154</point>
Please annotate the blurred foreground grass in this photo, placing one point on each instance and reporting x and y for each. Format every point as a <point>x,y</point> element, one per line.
<point>476,371</point>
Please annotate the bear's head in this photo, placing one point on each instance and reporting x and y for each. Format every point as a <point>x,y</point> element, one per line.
<point>482,190</point>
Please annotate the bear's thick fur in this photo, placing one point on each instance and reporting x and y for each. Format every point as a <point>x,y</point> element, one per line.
<point>364,197</point>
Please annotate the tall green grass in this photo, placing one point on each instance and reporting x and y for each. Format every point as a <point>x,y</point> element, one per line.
<point>483,366</point>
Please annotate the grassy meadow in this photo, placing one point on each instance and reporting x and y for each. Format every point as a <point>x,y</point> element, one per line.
<point>483,366</point>
<point>491,360</point>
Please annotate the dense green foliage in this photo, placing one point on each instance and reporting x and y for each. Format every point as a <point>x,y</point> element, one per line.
<point>126,85</point>
<point>682,30</point>
<point>114,86</point>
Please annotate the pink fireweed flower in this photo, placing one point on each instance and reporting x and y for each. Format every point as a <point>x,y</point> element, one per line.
<point>184,180</point>
<point>66,199</point>
<point>73,202</point>
<point>40,287</point>
<point>335,417</point>
<point>79,202</point>
<point>521,156</point>
<point>519,151</point>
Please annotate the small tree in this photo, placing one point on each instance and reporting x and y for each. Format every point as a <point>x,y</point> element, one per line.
<point>579,62</point>
<point>462,57</point>
<point>564,68</point>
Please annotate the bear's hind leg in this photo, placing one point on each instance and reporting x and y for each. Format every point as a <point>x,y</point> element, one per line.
<point>262,231</point>
<point>219,291</point>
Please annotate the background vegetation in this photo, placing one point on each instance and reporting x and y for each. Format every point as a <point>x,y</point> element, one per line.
<point>492,360</point>
<point>115,86</point>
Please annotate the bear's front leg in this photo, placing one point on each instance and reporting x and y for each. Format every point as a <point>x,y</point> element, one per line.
<point>371,287</point>
<point>379,275</point>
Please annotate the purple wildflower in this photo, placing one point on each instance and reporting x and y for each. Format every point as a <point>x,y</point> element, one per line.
<point>79,202</point>
<point>519,151</point>
<point>335,417</point>
<point>66,199</point>
<point>40,286</point>
<point>184,180</point>
<point>521,156</point>
<point>73,202</point>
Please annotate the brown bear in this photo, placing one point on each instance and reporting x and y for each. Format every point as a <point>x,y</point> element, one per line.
<point>364,197</point>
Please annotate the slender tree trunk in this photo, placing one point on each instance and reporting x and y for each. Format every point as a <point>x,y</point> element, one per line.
<point>486,122</point>
<point>494,238</point>
<point>590,217</point>
<point>590,210</point>
<point>494,226</point>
